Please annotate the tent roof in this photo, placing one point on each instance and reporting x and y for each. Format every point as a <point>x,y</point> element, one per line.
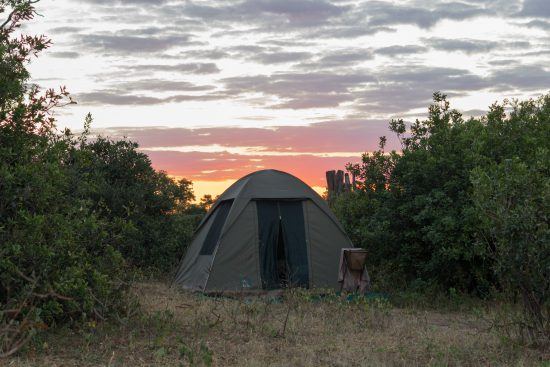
<point>267,184</point>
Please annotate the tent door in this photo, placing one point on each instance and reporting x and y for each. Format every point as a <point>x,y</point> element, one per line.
<point>282,244</point>
<point>282,265</point>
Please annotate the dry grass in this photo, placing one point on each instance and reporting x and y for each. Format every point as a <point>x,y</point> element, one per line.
<point>181,329</point>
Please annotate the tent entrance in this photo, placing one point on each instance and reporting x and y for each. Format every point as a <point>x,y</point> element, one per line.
<point>282,247</point>
<point>282,265</point>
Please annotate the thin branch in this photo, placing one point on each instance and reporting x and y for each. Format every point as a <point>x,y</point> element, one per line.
<point>15,11</point>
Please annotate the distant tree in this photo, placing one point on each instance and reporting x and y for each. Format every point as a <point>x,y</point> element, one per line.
<point>207,201</point>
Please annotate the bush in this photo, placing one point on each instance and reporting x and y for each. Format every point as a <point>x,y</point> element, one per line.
<point>513,199</point>
<point>76,217</point>
<point>148,215</point>
<point>463,207</point>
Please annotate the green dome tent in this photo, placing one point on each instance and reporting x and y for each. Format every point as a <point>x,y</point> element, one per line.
<point>266,231</point>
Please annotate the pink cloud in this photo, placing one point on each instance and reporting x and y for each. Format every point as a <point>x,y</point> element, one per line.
<point>352,135</point>
<point>223,166</point>
<point>304,151</point>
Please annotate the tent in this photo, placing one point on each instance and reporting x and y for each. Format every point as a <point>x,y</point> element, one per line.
<point>266,231</point>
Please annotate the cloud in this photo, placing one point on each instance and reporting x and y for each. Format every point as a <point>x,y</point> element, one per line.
<point>119,98</point>
<point>387,14</point>
<point>298,12</point>
<point>467,46</point>
<point>222,166</point>
<point>293,13</point>
<point>471,46</point>
<point>400,89</point>
<point>127,2</point>
<point>536,9</point>
<point>344,58</point>
<point>348,135</point>
<point>64,54</point>
<point>113,98</point>
<point>393,98</point>
<point>538,23</point>
<point>314,101</point>
<point>400,50</point>
<point>210,54</point>
<point>306,151</point>
<point>278,57</point>
<point>525,77</point>
<point>435,78</point>
<point>298,89</point>
<point>66,29</point>
<point>161,85</point>
<point>304,54</point>
<point>192,68</point>
<point>113,43</point>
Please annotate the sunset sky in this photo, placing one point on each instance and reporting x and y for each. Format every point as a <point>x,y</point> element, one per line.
<point>213,90</point>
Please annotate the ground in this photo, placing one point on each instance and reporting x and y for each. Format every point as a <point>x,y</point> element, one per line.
<point>174,328</point>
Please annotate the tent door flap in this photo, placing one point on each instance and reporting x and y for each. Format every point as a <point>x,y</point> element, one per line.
<point>282,244</point>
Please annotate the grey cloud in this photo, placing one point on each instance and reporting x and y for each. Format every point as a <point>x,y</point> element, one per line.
<point>536,8</point>
<point>248,49</point>
<point>110,98</point>
<point>404,88</point>
<point>400,50</point>
<point>127,2</point>
<point>161,85</point>
<point>66,29</point>
<point>295,13</point>
<point>435,78</point>
<point>288,83</point>
<point>281,57</point>
<point>538,53</point>
<point>465,45</point>
<point>537,23</point>
<point>394,98</point>
<point>267,55</point>
<point>384,13</point>
<point>214,54</point>
<point>132,44</point>
<point>64,54</point>
<point>314,101</point>
<point>302,12</point>
<point>349,31</point>
<point>192,68</point>
<point>299,90</point>
<point>367,18</point>
<point>526,77</point>
<point>346,57</point>
<point>117,97</point>
<point>504,62</point>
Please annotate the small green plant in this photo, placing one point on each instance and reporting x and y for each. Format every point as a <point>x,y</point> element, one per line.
<point>206,355</point>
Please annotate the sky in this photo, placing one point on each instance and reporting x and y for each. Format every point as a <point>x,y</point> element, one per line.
<point>213,90</point>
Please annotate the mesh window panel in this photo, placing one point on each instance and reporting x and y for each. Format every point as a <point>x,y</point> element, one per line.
<point>213,236</point>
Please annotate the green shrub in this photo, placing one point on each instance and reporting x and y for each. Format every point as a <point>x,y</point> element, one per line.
<point>76,216</point>
<point>513,199</point>
<point>416,212</point>
<point>463,207</point>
